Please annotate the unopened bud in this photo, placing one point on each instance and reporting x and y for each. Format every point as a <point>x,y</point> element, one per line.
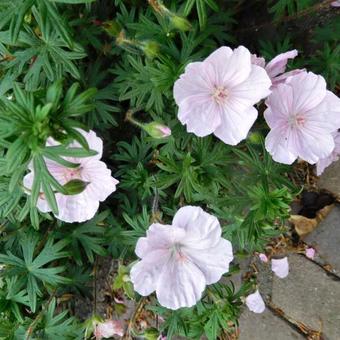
<point>151,334</point>
<point>150,49</point>
<point>75,187</point>
<point>157,130</point>
<point>180,23</point>
<point>255,138</point>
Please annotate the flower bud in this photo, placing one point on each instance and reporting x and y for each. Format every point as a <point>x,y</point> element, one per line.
<point>180,23</point>
<point>150,49</point>
<point>75,187</point>
<point>151,334</point>
<point>112,28</point>
<point>255,138</point>
<point>157,130</point>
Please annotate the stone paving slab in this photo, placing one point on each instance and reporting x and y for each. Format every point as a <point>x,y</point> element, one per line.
<point>330,179</point>
<point>326,239</point>
<point>310,296</point>
<point>265,326</point>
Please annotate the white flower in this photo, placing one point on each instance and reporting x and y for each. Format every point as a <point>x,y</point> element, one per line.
<point>179,260</point>
<point>83,206</point>
<point>255,302</point>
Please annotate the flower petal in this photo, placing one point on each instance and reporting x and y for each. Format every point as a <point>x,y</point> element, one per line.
<point>145,273</point>
<point>278,65</point>
<point>280,267</point>
<point>212,262</point>
<point>309,91</point>
<point>251,90</point>
<point>180,284</point>
<point>235,125</point>
<point>202,120</point>
<point>231,68</point>
<point>255,302</point>
<point>202,229</point>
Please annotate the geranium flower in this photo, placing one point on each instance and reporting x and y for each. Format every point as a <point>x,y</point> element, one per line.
<point>280,267</point>
<point>302,115</point>
<point>83,206</point>
<point>217,95</point>
<point>179,260</point>
<point>277,66</point>
<point>255,302</point>
<point>336,3</point>
<point>108,329</point>
<point>323,163</point>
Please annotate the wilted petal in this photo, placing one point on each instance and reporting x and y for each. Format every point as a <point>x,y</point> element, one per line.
<point>280,267</point>
<point>180,284</point>
<point>278,65</point>
<point>202,229</point>
<point>263,257</point>
<point>108,329</point>
<point>310,253</point>
<point>213,262</point>
<point>255,302</point>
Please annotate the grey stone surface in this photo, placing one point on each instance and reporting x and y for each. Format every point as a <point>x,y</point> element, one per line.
<point>310,296</point>
<point>326,239</point>
<point>265,326</point>
<point>330,179</point>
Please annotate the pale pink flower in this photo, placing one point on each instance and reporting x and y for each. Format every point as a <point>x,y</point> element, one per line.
<point>217,95</point>
<point>302,115</point>
<point>83,206</point>
<point>280,267</point>
<point>277,66</point>
<point>108,329</point>
<point>323,163</point>
<point>179,260</point>
<point>336,3</point>
<point>263,257</point>
<point>310,252</point>
<point>255,302</point>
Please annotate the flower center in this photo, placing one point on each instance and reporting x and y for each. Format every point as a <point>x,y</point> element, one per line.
<point>296,121</point>
<point>177,253</point>
<point>220,94</point>
<point>70,174</point>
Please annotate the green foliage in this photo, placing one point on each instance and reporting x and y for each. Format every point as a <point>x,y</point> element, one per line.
<point>125,57</point>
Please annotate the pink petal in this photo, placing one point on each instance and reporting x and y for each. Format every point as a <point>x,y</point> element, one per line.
<point>285,76</point>
<point>278,65</point>
<point>145,273</point>
<point>231,67</point>
<point>101,183</point>
<point>335,3</point>
<point>309,91</point>
<point>212,262</point>
<point>180,284</point>
<point>259,61</point>
<point>255,302</point>
<point>323,163</point>
<point>202,120</point>
<point>202,229</point>
<point>95,143</point>
<point>196,83</point>
<point>235,125</point>
<point>310,253</point>
<point>280,267</point>
<point>108,329</point>
<point>281,146</point>
<point>263,257</point>
<point>161,236</point>
<point>279,106</point>
<point>251,90</point>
